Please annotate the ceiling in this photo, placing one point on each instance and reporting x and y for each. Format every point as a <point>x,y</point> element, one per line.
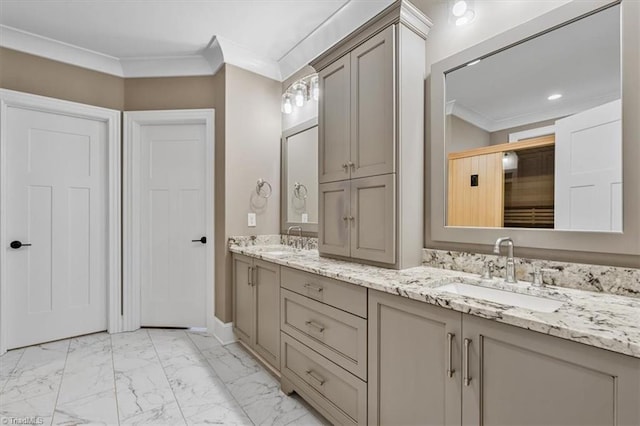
<point>581,61</point>
<point>133,31</point>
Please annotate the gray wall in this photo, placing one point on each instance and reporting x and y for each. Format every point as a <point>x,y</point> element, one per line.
<point>462,135</point>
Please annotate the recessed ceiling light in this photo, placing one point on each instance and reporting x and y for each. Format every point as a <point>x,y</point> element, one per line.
<point>554,96</point>
<point>473,62</point>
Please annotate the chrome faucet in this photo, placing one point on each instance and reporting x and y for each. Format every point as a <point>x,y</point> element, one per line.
<point>296,228</point>
<point>510,270</point>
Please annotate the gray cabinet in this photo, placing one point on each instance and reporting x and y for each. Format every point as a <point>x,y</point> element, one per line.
<point>324,345</point>
<point>371,124</point>
<point>429,365</point>
<point>411,346</point>
<point>372,106</point>
<point>256,306</point>
<point>520,377</point>
<point>334,114</point>
<point>359,219</point>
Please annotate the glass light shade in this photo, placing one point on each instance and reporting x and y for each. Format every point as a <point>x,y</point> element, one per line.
<point>299,97</point>
<point>315,89</point>
<point>287,107</point>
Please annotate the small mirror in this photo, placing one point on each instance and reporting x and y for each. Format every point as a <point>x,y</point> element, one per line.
<point>533,132</point>
<point>300,177</point>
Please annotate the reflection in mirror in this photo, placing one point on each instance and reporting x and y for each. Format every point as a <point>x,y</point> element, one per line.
<point>300,176</point>
<point>533,132</point>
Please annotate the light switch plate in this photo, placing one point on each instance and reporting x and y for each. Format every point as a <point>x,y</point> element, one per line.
<point>305,217</point>
<point>251,220</point>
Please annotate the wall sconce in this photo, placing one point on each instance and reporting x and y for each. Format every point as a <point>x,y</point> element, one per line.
<point>462,12</point>
<point>299,92</point>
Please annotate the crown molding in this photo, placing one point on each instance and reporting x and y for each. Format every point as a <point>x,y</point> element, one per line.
<point>23,41</point>
<point>338,26</point>
<point>489,125</point>
<point>207,62</point>
<point>343,22</point>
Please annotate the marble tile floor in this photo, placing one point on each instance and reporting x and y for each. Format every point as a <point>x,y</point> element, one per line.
<point>147,377</point>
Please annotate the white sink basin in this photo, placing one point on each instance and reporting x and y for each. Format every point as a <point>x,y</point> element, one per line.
<point>534,303</point>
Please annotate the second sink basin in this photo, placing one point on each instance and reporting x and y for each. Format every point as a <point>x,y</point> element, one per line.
<point>534,303</point>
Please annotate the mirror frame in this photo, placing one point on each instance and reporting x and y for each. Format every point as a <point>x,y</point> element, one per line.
<point>308,229</point>
<point>626,242</point>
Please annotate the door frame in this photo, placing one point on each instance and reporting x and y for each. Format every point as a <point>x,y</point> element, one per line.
<point>131,160</point>
<point>11,98</point>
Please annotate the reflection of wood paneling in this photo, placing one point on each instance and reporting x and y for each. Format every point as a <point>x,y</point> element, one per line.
<point>540,142</point>
<point>480,205</point>
<point>532,217</point>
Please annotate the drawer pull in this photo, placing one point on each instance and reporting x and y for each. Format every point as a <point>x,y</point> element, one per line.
<point>450,369</point>
<point>315,376</point>
<point>313,287</point>
<point>466,377</point>
<point>315,325</point>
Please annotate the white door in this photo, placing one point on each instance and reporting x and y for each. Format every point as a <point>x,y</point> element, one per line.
<point>588,187</point>
<point>173,251</point>
<point>56,210</point>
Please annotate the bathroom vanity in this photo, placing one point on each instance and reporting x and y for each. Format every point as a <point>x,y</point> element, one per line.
<point>369,345</point>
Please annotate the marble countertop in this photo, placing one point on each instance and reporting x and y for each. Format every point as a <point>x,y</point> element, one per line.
<point>596,319</point>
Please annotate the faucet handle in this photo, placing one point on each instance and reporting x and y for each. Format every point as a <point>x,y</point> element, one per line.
<point>538,279</point>
<point>487,270</point>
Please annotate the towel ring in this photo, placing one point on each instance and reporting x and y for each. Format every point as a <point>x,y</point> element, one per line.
<point>267,192</point>
<point>296,191</point>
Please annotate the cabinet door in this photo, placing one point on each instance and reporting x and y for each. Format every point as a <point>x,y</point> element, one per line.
<point>267,311</point>
<point>521,377</point>
<point>243,307</point>
<point>373,226</point>
<point>476,201</point>
<point>409,359</point>
<point>372,106</point>
<point>333,223</point>
<point>334,121</point>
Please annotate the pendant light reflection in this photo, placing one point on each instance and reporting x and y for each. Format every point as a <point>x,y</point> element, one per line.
<point>300,92</point>
<point>461,12</point>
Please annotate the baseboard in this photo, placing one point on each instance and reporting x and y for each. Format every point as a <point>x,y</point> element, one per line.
<point>223,331</point>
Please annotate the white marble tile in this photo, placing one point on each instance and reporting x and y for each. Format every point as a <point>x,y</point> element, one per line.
<point>221,414</point>
<point>133,351</point>
<point>203,341</point>
<point>95,409</point>
<point>310,419</point>
<point>8,363</point>
<point>38,372</point>
<point>38,407</point>
<point>230,362</point>
<point>260,396</point>
<point>167,414</point>
<point>143,392</point>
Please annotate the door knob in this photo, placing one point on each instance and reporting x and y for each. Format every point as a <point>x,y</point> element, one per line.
<point>202,240</point>
<point>17,244</point>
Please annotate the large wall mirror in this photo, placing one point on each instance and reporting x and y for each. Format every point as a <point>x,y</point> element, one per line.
<point>533,135</point>
<point>299,164</point>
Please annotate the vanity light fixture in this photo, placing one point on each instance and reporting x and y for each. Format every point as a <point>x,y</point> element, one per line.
<point>315,88</point>
<point>461,11</point>
<point>509,161</point>
<point>287,106</point>
<point>554,97</point>
<point>299,92</point>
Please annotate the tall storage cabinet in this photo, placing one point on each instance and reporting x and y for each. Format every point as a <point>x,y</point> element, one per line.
<point>371,134</point>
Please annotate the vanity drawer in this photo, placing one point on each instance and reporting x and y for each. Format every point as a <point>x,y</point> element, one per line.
<point>335,334</point>
<point>328,385</point>
<point>345,296</point>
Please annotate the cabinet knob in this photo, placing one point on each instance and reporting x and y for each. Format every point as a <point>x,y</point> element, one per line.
<point>345,166</point>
